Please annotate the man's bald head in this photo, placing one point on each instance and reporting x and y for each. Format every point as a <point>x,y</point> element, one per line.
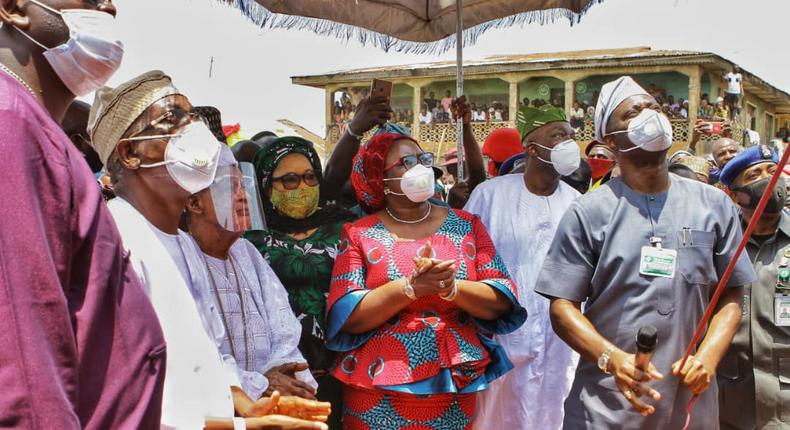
<point>75,125</point>
<point>724,150</point>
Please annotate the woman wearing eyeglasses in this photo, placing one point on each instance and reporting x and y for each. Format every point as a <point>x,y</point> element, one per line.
<point>417,292</point>
<point>300,244</point>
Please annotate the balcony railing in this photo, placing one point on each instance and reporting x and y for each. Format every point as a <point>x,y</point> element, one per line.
<point>440,138</point>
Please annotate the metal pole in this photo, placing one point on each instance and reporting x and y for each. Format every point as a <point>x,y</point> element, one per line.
<point>459,82</point>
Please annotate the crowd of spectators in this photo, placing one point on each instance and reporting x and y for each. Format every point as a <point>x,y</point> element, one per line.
<point>436,111</point>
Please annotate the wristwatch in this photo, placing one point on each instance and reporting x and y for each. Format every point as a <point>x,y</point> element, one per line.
<point>603,360</point>
<point>409,290</point>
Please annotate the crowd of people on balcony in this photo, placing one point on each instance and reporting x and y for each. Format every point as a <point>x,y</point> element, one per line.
<point>436,111</point>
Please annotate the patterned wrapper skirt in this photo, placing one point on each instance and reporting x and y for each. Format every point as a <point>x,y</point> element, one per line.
<point>389,410</point>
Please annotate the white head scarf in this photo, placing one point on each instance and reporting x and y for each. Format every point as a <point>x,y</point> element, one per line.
<point>612,94</point>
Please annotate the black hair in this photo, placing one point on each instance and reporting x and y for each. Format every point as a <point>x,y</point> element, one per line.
<point>262,134</point>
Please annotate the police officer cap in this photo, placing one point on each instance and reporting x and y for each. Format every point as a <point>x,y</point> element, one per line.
<point>748,158</point>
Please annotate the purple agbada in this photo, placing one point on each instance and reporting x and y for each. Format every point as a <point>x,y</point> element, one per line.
<point>80,345</point>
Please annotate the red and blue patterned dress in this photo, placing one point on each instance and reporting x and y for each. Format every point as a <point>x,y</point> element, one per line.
<point>422,368</point>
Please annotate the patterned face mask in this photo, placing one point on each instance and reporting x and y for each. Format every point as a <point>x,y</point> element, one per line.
<point>296,204</point>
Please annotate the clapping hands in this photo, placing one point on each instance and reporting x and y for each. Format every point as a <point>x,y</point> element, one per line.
<point>432,276</point>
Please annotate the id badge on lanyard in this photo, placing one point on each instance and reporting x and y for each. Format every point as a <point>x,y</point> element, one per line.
<point>657,261</point>
<point>782,293</point>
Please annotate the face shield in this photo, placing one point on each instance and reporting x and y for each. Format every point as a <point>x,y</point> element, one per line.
<point>236,200</point>
<point>258,221</point>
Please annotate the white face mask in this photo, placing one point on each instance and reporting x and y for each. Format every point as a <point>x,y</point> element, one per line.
<point>564,157</point>
<point>92,54</point>
<point>650,130</point>
<point>417,184</point>
<point>191,157</point>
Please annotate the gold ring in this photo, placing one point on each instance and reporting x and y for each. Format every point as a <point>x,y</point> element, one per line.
<point>628,394</point>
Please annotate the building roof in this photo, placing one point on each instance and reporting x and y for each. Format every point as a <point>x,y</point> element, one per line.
<point>569,60</point>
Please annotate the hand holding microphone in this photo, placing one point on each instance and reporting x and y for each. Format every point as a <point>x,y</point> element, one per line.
<point>633,371</point>
<point>646,340</point>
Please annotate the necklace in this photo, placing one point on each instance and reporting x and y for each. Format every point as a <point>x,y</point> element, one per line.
<point>225,317</point>
<point>10,73</point>
<point>427,214</point>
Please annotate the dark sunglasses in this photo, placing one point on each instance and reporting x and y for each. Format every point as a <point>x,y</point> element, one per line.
<point>291,181</point>
<point>409,161</point>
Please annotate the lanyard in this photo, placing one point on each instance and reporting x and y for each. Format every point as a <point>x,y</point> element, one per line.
<point>655,241</point>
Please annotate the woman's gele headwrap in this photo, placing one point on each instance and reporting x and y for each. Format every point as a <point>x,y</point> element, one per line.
<point>367,175</point>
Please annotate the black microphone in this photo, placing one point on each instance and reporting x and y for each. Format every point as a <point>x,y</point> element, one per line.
<point>646,340</point>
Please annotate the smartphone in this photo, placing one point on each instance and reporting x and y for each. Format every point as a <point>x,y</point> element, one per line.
<point>381,88</point>
<point>713,127</point>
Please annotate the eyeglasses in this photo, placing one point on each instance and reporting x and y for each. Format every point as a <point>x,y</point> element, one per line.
<point>291,181</point>
<point>409,161</point>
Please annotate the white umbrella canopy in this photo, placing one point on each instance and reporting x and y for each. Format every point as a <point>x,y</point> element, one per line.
<point>421,21</point>
<point>417,26</point>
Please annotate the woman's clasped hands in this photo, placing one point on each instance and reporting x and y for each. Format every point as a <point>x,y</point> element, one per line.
<point>433,276</point>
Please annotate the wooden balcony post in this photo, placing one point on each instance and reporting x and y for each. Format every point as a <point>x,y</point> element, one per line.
<point>695,88</point>
<point>416,105</point>
<point>570,86</point>
<point>329,106</point>
<point>515,99</point>
<point>330,103</point>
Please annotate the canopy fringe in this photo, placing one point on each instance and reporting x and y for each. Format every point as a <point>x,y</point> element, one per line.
<point>263,18</point>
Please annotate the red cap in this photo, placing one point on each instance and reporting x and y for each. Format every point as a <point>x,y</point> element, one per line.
<point>502,144</point>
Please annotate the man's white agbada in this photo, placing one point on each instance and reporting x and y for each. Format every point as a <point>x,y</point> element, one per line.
<point>198,382</point>
<point>522,227</point>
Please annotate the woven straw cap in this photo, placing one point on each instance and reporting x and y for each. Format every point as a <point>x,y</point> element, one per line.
<point>115,110</point>
<point>698,164</point>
